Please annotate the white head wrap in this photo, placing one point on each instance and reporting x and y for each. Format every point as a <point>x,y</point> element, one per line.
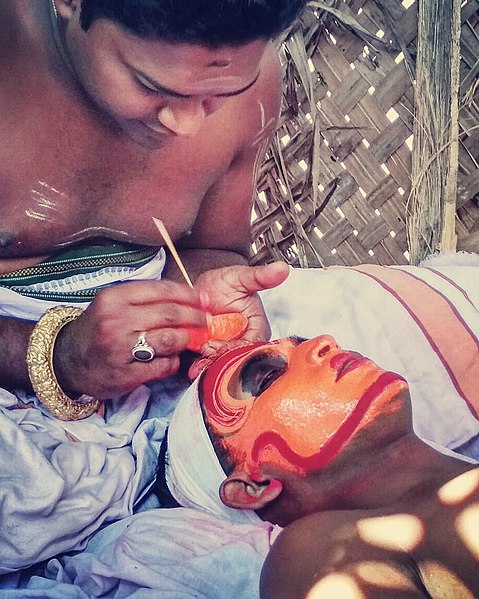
<point>193,471</point>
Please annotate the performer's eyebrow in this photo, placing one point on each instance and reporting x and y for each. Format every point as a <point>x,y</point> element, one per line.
<point>298,340</point>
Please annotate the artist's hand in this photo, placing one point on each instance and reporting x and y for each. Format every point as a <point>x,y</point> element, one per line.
<point>234,289</point>
<point>93,354</point>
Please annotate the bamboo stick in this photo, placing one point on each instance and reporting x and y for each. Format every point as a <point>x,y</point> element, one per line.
<point>164,233</point>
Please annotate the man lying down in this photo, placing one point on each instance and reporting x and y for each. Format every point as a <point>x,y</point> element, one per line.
<point>319,439</point>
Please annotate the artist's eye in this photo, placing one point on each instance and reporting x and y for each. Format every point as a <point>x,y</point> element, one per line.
<point>260,372</point>
<point>145,86</point>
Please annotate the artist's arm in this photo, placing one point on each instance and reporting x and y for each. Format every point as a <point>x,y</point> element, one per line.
<point>14,335</point>
<point>92,354</point>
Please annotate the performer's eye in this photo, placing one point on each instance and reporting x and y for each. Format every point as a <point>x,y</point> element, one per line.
<point>260,372</point>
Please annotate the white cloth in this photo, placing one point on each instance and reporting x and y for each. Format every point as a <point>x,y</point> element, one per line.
<point>193,471</point>
<point>160,554</point>
<point>61,481</point>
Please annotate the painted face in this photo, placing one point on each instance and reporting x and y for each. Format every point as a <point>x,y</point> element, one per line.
<point>153,89</point>
<point>293,403</point>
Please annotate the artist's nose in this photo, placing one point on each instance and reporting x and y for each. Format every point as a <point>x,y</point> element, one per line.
<point>186,116</point>
<point>321,347</point>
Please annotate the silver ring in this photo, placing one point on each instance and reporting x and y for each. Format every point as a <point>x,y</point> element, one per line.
<point>142,350</point>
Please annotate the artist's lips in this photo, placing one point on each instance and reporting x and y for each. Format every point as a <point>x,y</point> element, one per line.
<point>346,362</point>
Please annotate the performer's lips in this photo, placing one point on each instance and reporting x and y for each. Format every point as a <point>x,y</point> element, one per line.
<point>346,362</point>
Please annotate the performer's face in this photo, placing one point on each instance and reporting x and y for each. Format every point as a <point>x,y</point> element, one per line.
<point>293,403</point>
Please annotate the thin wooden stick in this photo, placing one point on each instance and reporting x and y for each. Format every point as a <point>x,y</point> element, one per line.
<point>164,233</point>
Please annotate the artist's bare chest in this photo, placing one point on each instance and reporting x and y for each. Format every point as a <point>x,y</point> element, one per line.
<point>64,174</point>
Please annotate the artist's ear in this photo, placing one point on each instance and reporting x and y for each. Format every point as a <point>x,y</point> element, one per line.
<point>239,491</point>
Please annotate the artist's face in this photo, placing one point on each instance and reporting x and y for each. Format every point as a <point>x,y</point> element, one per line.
<point>293,403</point>
<point>156,90</point>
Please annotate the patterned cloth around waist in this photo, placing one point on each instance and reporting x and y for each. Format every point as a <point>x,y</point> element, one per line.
<point>77,275</point>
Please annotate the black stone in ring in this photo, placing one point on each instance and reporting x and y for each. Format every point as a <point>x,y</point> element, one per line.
<point>142,351</point>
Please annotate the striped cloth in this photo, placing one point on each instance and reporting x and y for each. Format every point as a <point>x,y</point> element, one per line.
<point>75,276</point>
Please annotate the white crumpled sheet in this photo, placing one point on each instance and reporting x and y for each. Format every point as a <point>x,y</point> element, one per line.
<point>59,482</point>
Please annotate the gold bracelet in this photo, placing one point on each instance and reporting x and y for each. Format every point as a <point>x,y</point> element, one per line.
<point>40,367</point>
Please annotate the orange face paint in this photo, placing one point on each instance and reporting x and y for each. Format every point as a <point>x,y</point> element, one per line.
<point>293,404</point>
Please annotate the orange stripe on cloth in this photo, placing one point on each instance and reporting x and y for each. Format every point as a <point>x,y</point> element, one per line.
<point>446,331</point>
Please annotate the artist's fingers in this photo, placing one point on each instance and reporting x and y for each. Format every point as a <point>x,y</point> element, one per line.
<point>156,369</point>
<point>165,341</point>
<point>215,347</point>
<point>146,306</point>
<point>259,329</point>
<point>251,279</point>
<point>165,315</point>
<point>271,275</point>
<point>140,293</point>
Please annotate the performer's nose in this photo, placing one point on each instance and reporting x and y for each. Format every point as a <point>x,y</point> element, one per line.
<point>322,346</point>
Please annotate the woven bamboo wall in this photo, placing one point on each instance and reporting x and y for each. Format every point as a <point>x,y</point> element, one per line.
<point>335,184</point>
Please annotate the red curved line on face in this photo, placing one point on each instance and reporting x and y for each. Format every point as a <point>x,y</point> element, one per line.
<point>210,383</point>
<point>330,450</point>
